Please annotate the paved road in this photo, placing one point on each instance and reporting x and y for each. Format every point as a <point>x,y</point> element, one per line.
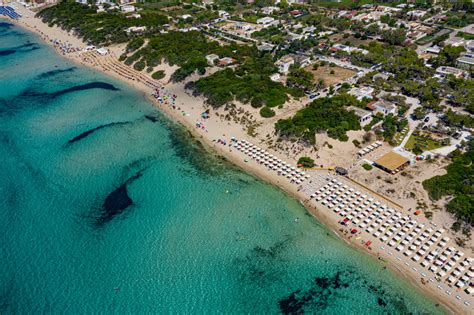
<point>453,146</point>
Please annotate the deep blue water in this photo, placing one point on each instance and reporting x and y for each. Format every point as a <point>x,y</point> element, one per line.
<point>108,207</point>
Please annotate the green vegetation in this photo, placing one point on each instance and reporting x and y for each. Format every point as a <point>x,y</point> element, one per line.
<point>459,183</point>
<point>248,83</point>
<point>375,119</point>
<point>391,125</point>
<point>272,34</point>
<point>160,74</point>
<point>448,55</point>
<point>395,37</point>
<point>403,62</point>
<point>306,162</point>
<point>185,49</point>
<point>461,93</point>
<point>323,114</point>
<point>466,36</point>
<point>459,19</point>
<point>420,142</point>
<point>399,136</point>
<point>267,112</point>
<point>367,166</point>
<point>298,78</point>
<point>98,28</point>
<point>453,119</point>
<point>134,44</point>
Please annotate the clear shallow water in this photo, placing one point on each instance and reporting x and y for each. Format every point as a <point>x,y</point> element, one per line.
<point>108,207</point>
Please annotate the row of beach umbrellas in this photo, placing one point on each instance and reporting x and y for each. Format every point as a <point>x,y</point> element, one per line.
<point>272,162</point>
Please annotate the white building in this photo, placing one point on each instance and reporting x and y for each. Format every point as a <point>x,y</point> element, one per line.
<point>469,45</point>
<point>466,61</point>
<point>136,29</point>
<point>348,49</point>
<point>302,60</point>
<point>435,50</point>
<point>102,51</point>
<point>266,21</point>
<point>365,116</point>
<point>127,8</point>
<point>270,10</point>
<point>211,58</point>
<point>284,64</point>
<point>309,29</point>
<point>443,72</point>
<point>416,14</point>
<point>275,77</point>
<point>223,14</point>
<point>385,107</point>
<point>265,47</point>
<point>455,41</point>
<point>361,93</point>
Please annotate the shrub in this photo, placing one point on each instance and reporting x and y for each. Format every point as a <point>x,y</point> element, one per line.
<point>356,143</point>
<point>160,74</point>
<point>267,112</point>
<point>367,167</point>
<point>306,162</point>
<point>139,65</point>
<point>343,138</point>
<point>257,102</point>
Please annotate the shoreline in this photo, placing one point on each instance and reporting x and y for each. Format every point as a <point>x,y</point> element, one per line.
<point>256,170</point>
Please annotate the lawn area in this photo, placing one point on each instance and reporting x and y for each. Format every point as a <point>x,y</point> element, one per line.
<point>324,73</point>
<point>399,136</point>
<point>425,143</point>
<point>466,36</point>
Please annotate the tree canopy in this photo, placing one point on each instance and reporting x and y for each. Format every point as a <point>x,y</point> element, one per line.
<point>458,183</point>
<point>323,114</point>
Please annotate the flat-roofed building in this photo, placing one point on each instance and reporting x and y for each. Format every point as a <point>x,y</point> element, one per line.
<point>466,61</point>
<point>284,64</point>
<point>365,116</point>
<point>362,92</point>
<point>267,20</point>
<point>443,72</point>
<point>392,162</point>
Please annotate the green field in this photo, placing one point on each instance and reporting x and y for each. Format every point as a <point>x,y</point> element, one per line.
<point>425,143</point>
<point>399,136</point>
<point>466,36</point>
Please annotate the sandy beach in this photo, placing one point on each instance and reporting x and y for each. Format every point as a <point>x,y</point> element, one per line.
<point>213,132</point>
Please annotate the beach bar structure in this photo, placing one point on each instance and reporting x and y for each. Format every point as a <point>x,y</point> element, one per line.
<point>392,162</point>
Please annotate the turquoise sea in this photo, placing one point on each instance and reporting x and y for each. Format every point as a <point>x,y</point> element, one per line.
<point>108,207</point>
